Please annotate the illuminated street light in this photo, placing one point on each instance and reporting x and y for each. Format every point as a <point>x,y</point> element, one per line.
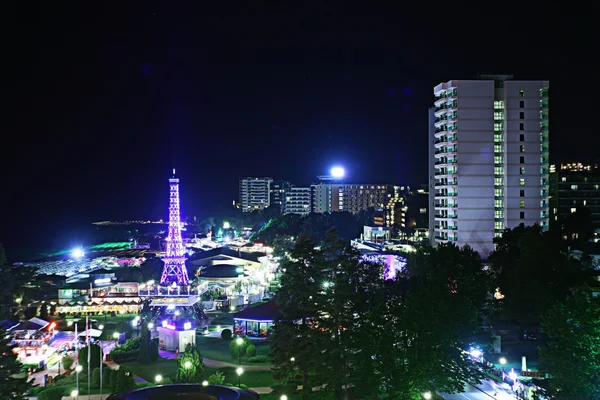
<point>326,285</point>
<point>239,341</point>
<point>338,172</point>
<point>187,365</point>
<point>475,353</point>
<point>69,323</point>
<point>101,327</point>
<point>74,393</point>
<point>502,361</point>
<point>292,359</point>
<point>116,335</point>
<point>231,308</point>
<point>78,368</point>
<point>158,378</point>
<point>204,383</point>
<point>150,283</point>
<point>150,325</point>
<point>239,372</point>
<point>283,397</point>
<point>77,253</point>
<point>427,395</point>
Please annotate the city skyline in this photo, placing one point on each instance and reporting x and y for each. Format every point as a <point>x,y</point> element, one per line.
<point>102,116</point>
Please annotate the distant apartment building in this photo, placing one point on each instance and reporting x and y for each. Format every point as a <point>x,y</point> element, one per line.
<point>254,193</point>
<point>488,142</point>
<point>354,198</point>
<point>298,201</point>
<point>572,186</point>
<point>279,190</point>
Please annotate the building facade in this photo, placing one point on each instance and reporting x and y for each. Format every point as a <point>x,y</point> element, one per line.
<point>255,193</point>
<point>298,201</point>
<point>331,197</point>
<point>489,143</point>
<point>279,190</point>
<point>572,186</point>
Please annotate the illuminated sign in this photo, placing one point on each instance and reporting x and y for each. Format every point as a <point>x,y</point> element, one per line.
<point>102,280</point>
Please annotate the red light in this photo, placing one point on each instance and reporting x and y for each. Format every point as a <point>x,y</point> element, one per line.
<point>52,326</point>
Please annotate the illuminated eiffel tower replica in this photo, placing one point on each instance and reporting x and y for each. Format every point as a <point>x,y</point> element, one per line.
<point>174,298</point>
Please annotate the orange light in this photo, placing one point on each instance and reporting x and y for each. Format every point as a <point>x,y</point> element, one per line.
<point>52,326</point>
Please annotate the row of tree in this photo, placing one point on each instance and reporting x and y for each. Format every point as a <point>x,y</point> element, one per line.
<point>347,331</point>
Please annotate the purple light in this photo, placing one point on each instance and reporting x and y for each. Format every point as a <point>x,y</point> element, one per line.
<point>392,263</point>
<point>174,270</point>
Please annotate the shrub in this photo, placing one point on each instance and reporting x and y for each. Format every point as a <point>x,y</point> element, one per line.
<point>122,380</point>
<point>216,379</point>
<point>120,356</point>
<point>67,363</point>
<point>226,334</point>
<point>95,381</point>
<point>251,350</point>
<point>154,355</point>
<point>52,393</point>
<point>242,386</point>
<point>257,359</point>
<point>106,375</point>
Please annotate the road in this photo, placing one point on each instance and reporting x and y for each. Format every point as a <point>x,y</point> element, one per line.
<point>485,391</point>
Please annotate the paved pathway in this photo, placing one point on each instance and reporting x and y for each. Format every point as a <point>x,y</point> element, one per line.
<point>170,355</point>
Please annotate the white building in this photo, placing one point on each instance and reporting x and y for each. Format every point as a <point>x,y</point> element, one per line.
<point>254,193</point>
<point>489,144</point>
<point>297,201</point>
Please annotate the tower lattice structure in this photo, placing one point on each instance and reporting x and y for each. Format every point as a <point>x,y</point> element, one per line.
<point>174,269</point>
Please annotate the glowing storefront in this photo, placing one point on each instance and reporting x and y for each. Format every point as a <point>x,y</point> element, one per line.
<point>256,322</point>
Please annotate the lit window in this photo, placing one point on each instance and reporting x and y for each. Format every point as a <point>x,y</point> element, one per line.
<point>573,210</point>
<point>564,179</point>
<point>574,187</point>
<point>522,149</point>
<point>522,182</point>
<point>521,93</point>
<point>423,211</point>
<point>522,204</point>
<point>522,171</point>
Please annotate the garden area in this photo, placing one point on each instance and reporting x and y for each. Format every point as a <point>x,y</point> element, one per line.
<point>219,349</point>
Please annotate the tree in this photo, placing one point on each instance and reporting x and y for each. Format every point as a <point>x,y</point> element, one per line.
<point>216,379</point>
<point>572,354</point>
<point>145,355</point>
<point>67,363</point>
<point>44,311</point>
<point>122,380</point>
<point>95,356</point>
<point>532,267</point>
<point>14,384</point>
<point>96,377</point>
<point>190,366</point>
<point>14,280</point>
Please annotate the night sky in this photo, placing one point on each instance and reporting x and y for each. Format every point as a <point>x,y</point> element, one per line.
<point>108,99</point>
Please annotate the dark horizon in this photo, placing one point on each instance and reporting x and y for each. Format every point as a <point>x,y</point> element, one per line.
<point>110,99</point>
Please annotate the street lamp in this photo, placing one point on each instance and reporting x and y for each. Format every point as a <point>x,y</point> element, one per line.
<point>158,378</point>
<point>239,372</point>
<point>293,359</point>
<point>283,397</point>
<point>150,325</point>
<point>116,335</point>
<point>187,365</point>
<point>74,393</point>
<point>204,383</point>
<point>427,395</point>
<point>79,368</point>
<point>101,327</point>
<point>502,361</point>
<point>239,341</point>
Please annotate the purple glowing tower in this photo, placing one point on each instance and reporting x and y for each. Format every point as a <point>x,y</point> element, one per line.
<point>174,270</point>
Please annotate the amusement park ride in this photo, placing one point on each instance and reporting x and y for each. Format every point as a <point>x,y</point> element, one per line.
<point>174,294</point>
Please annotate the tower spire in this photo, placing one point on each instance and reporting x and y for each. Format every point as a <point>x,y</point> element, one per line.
<point>174,270</point>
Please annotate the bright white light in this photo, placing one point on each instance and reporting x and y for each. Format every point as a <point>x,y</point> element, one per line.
<point>218,327</point>
<point>116,335</point>
<point>476,353</point>
<point>502,361</point>
<point>177,312</point>
<point>158,378</point>
<point>239,341</point>
<point>231,308</point>
<point>204,383</point>
<point>292,359</point>
<point>101,327</point>
<point>102,280</point>
<point>239,371</point>
<point>283,397</point>
<point>165,323</point>
<point>77,253</point>
<point>427,396</point>
<point>338,172</point>
<point>69,323</point>
<point>512,375</point>
<point>187,365</point>
<point>187,326</point>
<point>150,325</point>
<point>74,393</point>
<point>79,368</point>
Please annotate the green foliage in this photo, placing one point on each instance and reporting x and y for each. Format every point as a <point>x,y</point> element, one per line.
<point>95,356</point>
<point>216,379</point>
<point>251,350</point>
<point>572,354</point>
<point>144,355</point>
<point>129,351</point>
<point>190,366</point>
<point>106,376</point>
<point>14,384</point>
<point>154,354</point>
<point>342,324</point>
<point>257,359</point>
<point>95,381</point>
<point>122,380</point>
<point>67,363</point>
<point>52,393</point>
<point>238,351</point>
<point>532,268</point>
<point>226,334</point>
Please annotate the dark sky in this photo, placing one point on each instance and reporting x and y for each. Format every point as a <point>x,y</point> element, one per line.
<point>109,96</point>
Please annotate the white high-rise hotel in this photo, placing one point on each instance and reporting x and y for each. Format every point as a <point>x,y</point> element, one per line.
<point>488,159</point>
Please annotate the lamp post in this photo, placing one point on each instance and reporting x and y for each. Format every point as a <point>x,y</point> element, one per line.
<point>204,383</point>
<point>158,378</point>
<point>239,341</point>
<point>427,395</point>
<point>283,397</point>
<point>74,393</point>
<point>239,372</point>
<point>78,369</point>
<point>59,360</point>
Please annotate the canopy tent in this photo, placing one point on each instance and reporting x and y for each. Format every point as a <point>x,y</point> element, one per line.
<point>34,324</point>
<point>94,333</point>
